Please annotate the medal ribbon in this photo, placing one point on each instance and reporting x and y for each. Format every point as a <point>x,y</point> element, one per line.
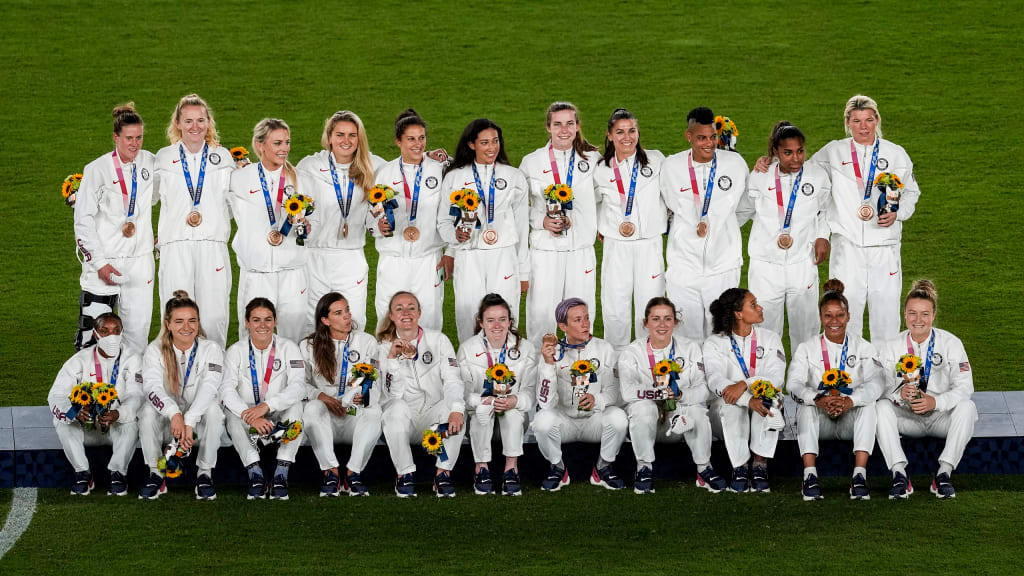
<point>842,357</point>
<point>343,376</point>
<point>501,357</point>
<point>709,189</point>
<point>926,371</point>
<point>632,185</point>
<point>188,370</point>
<point>412,202</point>
<point>99,369</point>
<point>564,345</point>
<point>129,204</point>
<point>866,187</point>
<point>554,165</point>
<point>753,354</point>
<point>197,192</point>
<point>344,204</point>
<point>480,189</point>
<point>788,218</point>
<point>271,210</point>
<point>257,390</point>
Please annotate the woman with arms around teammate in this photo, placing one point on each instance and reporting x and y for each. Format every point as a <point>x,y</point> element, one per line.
<point>736,355</point>
<point>562,258</point>
<point>631,221</point>
<point>270,261</point>
<point>934,401</point>
<point>492,256</point>
<point>649,396</point>
<point>192,178</point>
<point>337,407</point>
<point>847,414</point>
<point>424,389</point>
<point>499,369</point>
<point>410,254</point>
<point>182,373</point>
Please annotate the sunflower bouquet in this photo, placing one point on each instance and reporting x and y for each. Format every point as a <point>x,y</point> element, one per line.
<point>69,189</point>
<point>383,203</point>
<point>908,369</point>
<point>103,398</point>
<point>559,199</point>
<point>433,441</point>
<point>464,204</point>
<point>363,376</point>
<point>583,374</point>
<point>666,375</point>
<point>298,206</point>
<point>240,155</point>
<point>81,400</point>
<point>727,133</point>
<point>891,188</point>
<point>283,433</point>
<point>835,382</point>
<point>771,397</point>
<point>172,463</point>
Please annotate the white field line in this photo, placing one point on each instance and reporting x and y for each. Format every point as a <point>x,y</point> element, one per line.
<point>23,506</point>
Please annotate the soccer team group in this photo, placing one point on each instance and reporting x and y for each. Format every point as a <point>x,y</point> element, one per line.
<point>707,358</point>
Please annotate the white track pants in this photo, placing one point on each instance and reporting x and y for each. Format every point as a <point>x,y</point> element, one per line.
<point>555,276</point>
<point>343,271</point>
<point>956,426</point>
<point>857,424</point>
<point>631,274</point>
<point>135,296</point>
<point>416,275</point>
<point>871,275</point>
<point>693,294</point>
<point>122,437</point>
<point>479,273</point>
<point>743,430</point>
<point>553,428</point>
<point>512,426</point>
<point>155,433</point>
<point>644,430</point>
<point>361,431</point>
<point>249,454</point>
<point>287,290</point>
<point>203,269</point>
<point>793,287</point>
<point>403,428</point>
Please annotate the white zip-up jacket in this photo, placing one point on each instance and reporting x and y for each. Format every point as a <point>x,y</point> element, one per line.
<point>432,377</point>
<point>362,349</point>
<point>522,362</point>
<point>862,364</point>
<point>315,181</point>
<point>951,379</point>
<point>82,368</point>
<point>432,199</point>
<point>287,376</point>
<point>171,190</point>
<point>101,211</point>
<point>249,207</point>
<point>722,249</point>
<point>723,369</point>
<point>583,216</point>
<point>554,389</point>
<point>198,394</point>
<point>636,380</point>
<point>810,214</point>
<point>846,198</point>
<point>649,213</point>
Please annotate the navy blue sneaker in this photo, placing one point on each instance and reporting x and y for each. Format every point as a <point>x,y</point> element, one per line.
<point>83,484</point>
<point>606,477</point>
<point>443,486</point>
<point>900,488</point>
<point>811,490</point>
<point>482,483</point>
<point>155,486</point>
<point>760,480</point>
<point>204,488</point>
<point>710,480</point>
<point>510,484</point>
<point>859,488</point>
<point>331,485</point>
<point>118,485</point>
<point>354,485</point>
<point>739,481</point>
<point>404,486</point>
<point>279,491</point>
<point>644,482</point>
<point>942,487</point>
<point>557,477</point>
<point>257,487</point>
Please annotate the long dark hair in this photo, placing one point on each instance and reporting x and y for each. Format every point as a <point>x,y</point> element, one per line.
<point>489,301</point>
<point>724,309</point>
<point>464,155</point>
<point>609,147</point>
<point>321,341</point>
<point>579,143</point>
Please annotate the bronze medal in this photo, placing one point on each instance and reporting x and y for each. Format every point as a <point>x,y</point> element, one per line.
<point>627,229</point>
<point>409,350</point>
<point>194,218</point>
<point>490,236</point>
<point>128,229</point>
<point>275,238</point>
<point>344,230</point>
<point>866,212</point>
<point>411,233</point>
<point>785,241</point>
<point>702,229</point>
<point>550,339</point>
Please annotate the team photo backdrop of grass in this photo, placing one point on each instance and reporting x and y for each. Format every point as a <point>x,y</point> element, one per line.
<point>946,78</point>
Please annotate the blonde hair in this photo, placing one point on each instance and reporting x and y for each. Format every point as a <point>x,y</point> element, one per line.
<point>260,132</point>
<point>174,132</point>
<point>388,331</point>
<point>361,171</point>
<point>923,290</point>
<point>180,299</point>
<point>862,102</point>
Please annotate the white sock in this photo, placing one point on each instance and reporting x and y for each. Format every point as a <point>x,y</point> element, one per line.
<point>860,470</point>
<point>702,467</point>
<point>900,468</point>
<point>810,470</point>
<point>640,464</point>
<point>945,468</point>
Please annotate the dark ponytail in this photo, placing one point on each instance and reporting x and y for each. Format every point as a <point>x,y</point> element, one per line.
<point>724,309</point>
<point>781,131</point>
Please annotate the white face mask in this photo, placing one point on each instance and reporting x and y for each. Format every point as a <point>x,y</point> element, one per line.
<point>110,344</point>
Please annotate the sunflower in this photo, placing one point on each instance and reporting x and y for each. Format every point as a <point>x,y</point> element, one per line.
<point>432,441</point>
<point>113,393</point>
<point>456,197</point>
<point>292,432</point>
<point>909,363</point>
<point>831,377</point>
<point>499,373</point>
<point>65,190</point>
<point>470,202</point>
<point>239,153</point>
<point>564,194</point>
<point>377,194</point>
<point>103,399</point>
<point>293,206</point>
<point>581,367</point>
<point>718,123</point>
<point>663,367</point>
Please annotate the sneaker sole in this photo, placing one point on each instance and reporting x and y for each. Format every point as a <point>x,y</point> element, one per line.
<point>121,493</point>
<point>162,490</point>
<point>812,498</point>
<point>249,497</point>
<point>561,483</point>
<point>734,491</point>
<point>282,498</point>
<point>866,497</point>
<point>603,484</point>
<point>479,493</point>
<point>518,493</point>
<point>941,497</point>
<point>639,491</point>
<point>87,491</point>
<point>439,495</point>
<point>400,495</point>
<point>765,491</point>
<point>903,496</point>
<point>701,484</point>
<point>329,494</point>
<point>207,499</point>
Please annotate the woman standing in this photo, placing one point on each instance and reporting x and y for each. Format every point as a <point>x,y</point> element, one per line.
<point>851,412</point>
<point>493,256</point>
<point>191,184</point>
<point>497,343</point>
<point>736,355</point>
<point>331,352</point>
<point>631,221</point>
<point>271,263</point>
<point>409,256</point>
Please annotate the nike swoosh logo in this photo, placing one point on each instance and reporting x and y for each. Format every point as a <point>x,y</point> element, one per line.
<point>771,187</point>
<point>509,276</point>
<point>479,354</point>
<point>547,171</point>
<point>150,281</point>
<point>303,291</point>
<point>325,169</point>
<point>436,285</point>
<point>655,276</point>
<point>612,180</point>
<point>116,182</point>
<point>92,373</point>
<point>396,183</point>
<point>219,269</point>
<point>809,286</point>
<point>175,161</point>
<point>468,183</point>
<point>253,191</point>
<point>588,271</point>
<point>360,281</point>
<point>845,163</point>
<point>894,273</point>
<point>681,189</point>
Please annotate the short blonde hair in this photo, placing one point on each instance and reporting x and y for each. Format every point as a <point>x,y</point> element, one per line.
<point>862,102</point>
<point>174,132</point>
